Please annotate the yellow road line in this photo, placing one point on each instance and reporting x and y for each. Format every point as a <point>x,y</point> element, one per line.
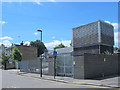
<point>93,86</point>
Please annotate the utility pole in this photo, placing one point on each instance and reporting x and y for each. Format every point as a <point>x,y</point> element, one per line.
<point>55,55</point>
<point>40,56</point>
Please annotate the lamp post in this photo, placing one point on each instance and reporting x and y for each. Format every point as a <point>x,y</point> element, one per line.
<point>41,34</point>
<point>41,56</point>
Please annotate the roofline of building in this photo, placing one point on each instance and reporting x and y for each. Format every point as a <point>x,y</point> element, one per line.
<point>91,23</point>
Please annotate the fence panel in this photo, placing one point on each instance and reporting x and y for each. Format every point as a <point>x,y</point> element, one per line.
<point>64,65</point>
<point>34,66</point>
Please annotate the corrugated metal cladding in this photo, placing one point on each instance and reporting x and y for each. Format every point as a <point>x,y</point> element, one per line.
<point>92,34</point>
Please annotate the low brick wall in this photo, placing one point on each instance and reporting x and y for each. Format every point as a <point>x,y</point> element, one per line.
<point>10,65</point>
<point>95,65</point>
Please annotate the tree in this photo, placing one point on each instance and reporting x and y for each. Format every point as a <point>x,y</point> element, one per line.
<point>119,49</point>
<point>60,46</point>
<point>4,58</point>
<point>71,43</point>
<point>16,54</point>
<point>40,47</point>
<point>116,48</point>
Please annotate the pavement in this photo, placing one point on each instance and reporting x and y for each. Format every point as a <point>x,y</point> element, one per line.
<point>109,81</point>
<point>11,79</point>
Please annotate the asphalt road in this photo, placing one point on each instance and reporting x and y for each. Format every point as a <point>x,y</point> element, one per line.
<point>10,80</point>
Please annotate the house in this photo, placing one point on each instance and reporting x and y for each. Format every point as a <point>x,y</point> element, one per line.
<point>2,48</point>
<point>28,52</point>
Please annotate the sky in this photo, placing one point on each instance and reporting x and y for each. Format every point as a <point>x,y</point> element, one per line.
<point>21,20</point>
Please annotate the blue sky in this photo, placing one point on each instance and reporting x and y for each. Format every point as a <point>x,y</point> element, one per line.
<point>20,20</point>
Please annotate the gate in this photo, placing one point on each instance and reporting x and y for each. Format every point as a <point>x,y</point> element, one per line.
<point>64,65</point>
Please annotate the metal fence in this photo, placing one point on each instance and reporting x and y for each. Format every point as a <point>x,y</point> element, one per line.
<point>64,65</point>
<point>34,66</point>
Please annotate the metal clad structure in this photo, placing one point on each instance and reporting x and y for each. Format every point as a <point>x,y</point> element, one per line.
<point>107,34</point>
<point>95,37</point>
<point>85,35</point>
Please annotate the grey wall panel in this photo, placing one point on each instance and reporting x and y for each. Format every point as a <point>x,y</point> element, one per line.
<point>78,70</point>
<point>85,35</point>
<point>100,65</point>
<point>95,65</point>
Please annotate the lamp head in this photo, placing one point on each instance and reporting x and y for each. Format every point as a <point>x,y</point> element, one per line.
<point>39,30</point>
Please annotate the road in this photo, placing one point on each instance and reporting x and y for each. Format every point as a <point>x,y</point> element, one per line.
<point>12,80</point>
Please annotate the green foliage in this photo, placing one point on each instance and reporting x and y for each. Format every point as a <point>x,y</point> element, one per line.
<point>38,58</point>
<point>16,54</point>
<point>40,46</point>
<point>4,58</point>
<point>107,53</point>
<point>116,49</point>
<point>71,43</point>
<point>26,45</point>
<point>60,46</point>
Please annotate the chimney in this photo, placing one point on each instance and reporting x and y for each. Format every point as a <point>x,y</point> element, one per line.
<point>22,43</point>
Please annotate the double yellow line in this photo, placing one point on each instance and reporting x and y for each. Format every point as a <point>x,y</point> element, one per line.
<point>76,84</point>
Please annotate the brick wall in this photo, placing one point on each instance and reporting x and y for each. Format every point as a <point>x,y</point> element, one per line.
<point>28,52</point>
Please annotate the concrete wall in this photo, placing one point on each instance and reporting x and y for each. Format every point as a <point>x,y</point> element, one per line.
<point>79,67</point>
<point>100,65</point>
<point>95,65</point>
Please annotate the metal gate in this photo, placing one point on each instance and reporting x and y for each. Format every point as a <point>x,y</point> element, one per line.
<point>64,65</point>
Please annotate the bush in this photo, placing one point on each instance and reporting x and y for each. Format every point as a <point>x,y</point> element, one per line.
<point>4,58</point>
<point>16,54</point>
<point>107,53</point>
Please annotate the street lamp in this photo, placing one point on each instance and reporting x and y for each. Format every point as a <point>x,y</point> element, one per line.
<point>41,34</point>
<point>41,56</point>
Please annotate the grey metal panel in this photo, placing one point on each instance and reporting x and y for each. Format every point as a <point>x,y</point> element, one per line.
<point>85,35</point>
<point>94,33</point>
<point>99,32</point>
<point>107,34</point>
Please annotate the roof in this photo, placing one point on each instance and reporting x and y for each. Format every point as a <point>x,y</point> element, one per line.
<point>65,50</point>
<point>62,50</point>
<point>92,23</point>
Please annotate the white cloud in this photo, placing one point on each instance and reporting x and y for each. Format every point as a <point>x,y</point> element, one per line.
<point>3,22</point>
<point>117,38</point>
<point>114,24</point>
<point>51,45</point>
<point>6,37</point>
<point>27,42</point>
<point>35,33</point>
<point>37,1</point>
<point>7,43</point>
<point>53,37</point>
<point>52,0</point>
